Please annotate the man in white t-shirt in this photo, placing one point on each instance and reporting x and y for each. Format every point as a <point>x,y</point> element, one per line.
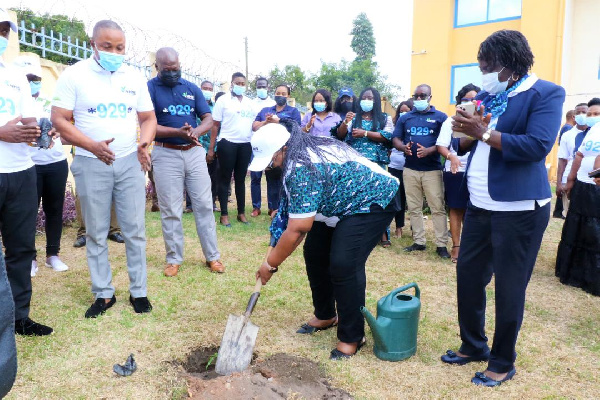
<point>262,99</point>
<point>566,153</point>
<point>107,99</point>
<point>18,202</point>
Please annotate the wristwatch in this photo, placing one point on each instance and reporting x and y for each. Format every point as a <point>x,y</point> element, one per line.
<point>486,135</point>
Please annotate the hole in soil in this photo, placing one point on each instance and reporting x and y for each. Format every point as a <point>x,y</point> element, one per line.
<point>202,360</point>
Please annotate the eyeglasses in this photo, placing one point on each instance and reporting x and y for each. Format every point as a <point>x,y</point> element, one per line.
<point>422,96</point>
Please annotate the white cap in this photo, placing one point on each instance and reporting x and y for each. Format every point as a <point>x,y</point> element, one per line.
<point>265,142</point>
<point>5,17</point>
<point>29,65</point>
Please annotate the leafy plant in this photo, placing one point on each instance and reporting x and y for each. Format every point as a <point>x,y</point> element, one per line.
<point>211,360</point>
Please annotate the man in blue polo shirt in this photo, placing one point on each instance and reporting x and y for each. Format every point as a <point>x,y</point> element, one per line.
<point>268,115</point>
<point>179,159</point>
<point>416,134</point>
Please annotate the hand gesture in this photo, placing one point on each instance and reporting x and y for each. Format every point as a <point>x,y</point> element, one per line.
<point>423,151</point>
<point>311,122</point>
<point>358,133</point>
<point>144,157</point>
<point>210,156</point>
<point>103,152</point>
<point>273,118</point>
<point>13,133</point>
<point>455,163</point>
<point>349,117</point>
<point>407,149</point>
<point>471,125</point>
<point>559,189</point>
<point>186,131</point>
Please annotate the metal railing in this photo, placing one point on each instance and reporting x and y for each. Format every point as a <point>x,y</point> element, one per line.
<point>50,42</point>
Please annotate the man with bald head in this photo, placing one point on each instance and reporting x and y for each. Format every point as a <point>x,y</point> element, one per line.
<point>179,160</point>
<point>107,99</point>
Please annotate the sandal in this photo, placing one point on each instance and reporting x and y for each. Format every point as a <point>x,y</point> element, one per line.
<point>455,259</point>
<point>385,243</point>
<point>337,355</point>
<point>307,329</point>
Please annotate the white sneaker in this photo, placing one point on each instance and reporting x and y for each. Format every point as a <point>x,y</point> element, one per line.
<point>34,268</point>
<point>55,263</point>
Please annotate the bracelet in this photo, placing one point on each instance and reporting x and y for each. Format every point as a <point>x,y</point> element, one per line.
<point>272,270</point>
<point>366,133</point>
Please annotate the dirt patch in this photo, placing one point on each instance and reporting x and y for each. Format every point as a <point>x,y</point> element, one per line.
<point>280,376</point>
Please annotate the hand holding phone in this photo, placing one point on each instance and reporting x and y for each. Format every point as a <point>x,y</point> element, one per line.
<point>468,108</point>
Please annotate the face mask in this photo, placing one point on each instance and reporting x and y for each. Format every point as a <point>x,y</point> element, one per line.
<point>207,95</point>
<point>401,114</point>
<point>36,86</point>
<point>261,93</point>
<point>347,106</point>
<point>3,44</point>
<point>421,105</point>
<point>238,90</point>
<point>281,100</point>
<point>591,121</point>
<point>491,84</point>
<point>170,78</point>
<point>366,105</point>
<point>580,119</point>
<point>110,61</point>
<point>320,106</point>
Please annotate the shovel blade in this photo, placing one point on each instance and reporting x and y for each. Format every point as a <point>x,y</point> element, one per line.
<point>237,345</point>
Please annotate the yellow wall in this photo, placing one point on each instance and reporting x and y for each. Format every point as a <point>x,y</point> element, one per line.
<point>442,45</point>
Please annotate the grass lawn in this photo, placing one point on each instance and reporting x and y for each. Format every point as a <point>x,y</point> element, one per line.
<point>559,345</point>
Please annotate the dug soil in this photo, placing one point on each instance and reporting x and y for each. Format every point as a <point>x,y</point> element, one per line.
<point>280,376</point>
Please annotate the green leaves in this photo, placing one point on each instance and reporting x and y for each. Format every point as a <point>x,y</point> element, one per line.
<point>363,41</point>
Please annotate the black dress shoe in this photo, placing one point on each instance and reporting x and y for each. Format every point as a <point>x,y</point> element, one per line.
<point>116,237</point>
<point>480,379</point>
<point>415,247</point>
<point>140,304</point>
<point>442,252</point>
<point>337,355</point>
<point>99,307</point>
<point>307,329</point>
<point>452,358</point>
<point>79,242</point>
<point>28,327</point>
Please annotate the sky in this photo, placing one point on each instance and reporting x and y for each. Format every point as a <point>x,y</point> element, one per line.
<point>279,33</point>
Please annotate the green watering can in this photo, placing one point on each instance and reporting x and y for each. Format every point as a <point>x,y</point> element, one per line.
<point>395,329</point>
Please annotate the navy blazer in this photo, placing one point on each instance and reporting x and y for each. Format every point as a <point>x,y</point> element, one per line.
<point>529,127</point>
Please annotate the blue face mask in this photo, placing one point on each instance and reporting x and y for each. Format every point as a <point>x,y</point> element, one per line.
<point>207,95</point>
<point>3,44</point>
<point>238,90</point>
<point>366,105</point>
<point>591,121</point>
<point>580,119</point>
<point>320,106</point>
<point>110,61</point>
<point>261,93</point>
<point>421,105</point>
<point>36,86</point>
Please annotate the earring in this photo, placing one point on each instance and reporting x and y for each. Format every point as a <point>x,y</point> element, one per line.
<point>513,78</point>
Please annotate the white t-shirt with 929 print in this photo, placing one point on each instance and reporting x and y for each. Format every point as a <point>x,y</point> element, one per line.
<point>15,100</point>
<point>236,118</point>
<point>104,104</point>
<point>590,148</point>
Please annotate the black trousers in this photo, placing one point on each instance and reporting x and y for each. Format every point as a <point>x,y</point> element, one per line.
<point>51,185</point>
<point>233,158</point>
<point>335,263</point>
<point>8,347</point>
<point>504,244</point>
<point>18,211</point>
<point>399,217</point>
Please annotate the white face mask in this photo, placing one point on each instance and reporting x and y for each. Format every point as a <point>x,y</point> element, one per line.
<point>491,84</point>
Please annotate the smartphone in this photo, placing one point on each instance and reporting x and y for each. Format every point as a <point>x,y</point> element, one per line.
<point>595,173</point>
<point>470,109</point>
<point>43,142</point>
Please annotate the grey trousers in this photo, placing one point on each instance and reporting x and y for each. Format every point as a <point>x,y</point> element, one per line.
<point>98,185</point>
<point>172,170</point>
<point>8,347</point>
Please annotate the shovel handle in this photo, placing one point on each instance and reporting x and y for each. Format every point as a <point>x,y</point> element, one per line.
<point>256,293</point>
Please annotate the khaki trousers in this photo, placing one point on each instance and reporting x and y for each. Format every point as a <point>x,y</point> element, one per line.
<point>430,184</point>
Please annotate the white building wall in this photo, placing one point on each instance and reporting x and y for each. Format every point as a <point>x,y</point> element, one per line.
<point>581,52</point>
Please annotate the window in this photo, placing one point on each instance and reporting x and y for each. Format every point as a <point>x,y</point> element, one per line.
<point>461,75</point>
<point>476,12</point>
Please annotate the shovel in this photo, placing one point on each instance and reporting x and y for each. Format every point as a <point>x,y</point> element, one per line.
<point>239,338</point>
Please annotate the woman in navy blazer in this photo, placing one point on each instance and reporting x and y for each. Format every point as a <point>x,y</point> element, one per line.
<point>509,138</point>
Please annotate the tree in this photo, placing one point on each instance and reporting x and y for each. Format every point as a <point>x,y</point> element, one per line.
<point>363,41</point>
<point>295,78</point>
<point>69,27</point>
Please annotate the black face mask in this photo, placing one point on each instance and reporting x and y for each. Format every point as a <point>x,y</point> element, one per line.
<point>281,100</point>
<point>347,106</point>
<point>170,78</point>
